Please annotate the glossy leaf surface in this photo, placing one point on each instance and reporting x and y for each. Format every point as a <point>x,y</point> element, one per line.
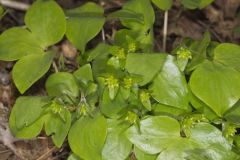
<point>87,136</point>
<point>170,87</point>
<point>222,85</point>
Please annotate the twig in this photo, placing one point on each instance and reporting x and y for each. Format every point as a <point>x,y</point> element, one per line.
<point>211,30</point>
<point>165,30</point>
<point>55,66</point>
<point>5,151</point>
<point>103,35</point>
<point>15,5</point>
<point>42,157</point>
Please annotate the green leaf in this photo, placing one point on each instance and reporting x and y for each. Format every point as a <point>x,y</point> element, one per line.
<point>73,157</point>
<point>117,146</point>
<point>28,132</point>
<point>228,54</point>
<point>214,145</point>
<point>216,85</point>
<point>57,127</point>
<point>31,68</point>
<point>126,14</point>
<point>205,3</point>
<point>16,43</point>
<point>170,86</point>
<point>190,4</point>
<point>203,108</point>
<point>112,108</point>
<point>154,133</point>
<point>82,26</point>
<point>199,51</point>
<point>163,4</point>
<point>194,4</point>
<point>233,115</point>
<point>160,109</point>
<point>27,110</point>
<point>62,83</point>
<point>87,136</point>
<point>140,155</point>
<point>142,7</point>
<point>161,134</point>
<point>25,115</point>
<point>84,73</point>
<point>46,20</point>
<point>145,65</point>
<point>99,50</point>
<point>1,11</point>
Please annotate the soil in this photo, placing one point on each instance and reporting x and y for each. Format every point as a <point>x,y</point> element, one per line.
<point>221,19</point>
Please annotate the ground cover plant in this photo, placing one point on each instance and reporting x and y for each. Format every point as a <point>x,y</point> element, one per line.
<point>125,98</point>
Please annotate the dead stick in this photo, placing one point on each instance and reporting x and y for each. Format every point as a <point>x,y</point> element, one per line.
<point>15,5</point>
<point>46,154</point>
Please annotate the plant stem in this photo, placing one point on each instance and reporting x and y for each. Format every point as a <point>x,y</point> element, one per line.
<point>165,30</point>
<point>55,67</point>
<point>15,5</point>
<point>103,35</point>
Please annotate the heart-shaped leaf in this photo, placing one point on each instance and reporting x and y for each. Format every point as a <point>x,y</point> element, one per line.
<point>216,85</point>
<point>112,108</point>
<point>84,23</point>
<point>154,133</point>
<point>228,54</point>
<point>163,4</point>
<point>58,125</point>
<point>16,43</point>
<point>46,20</point>
<point>87,136</point>
<point>117,146</point>
<point>170,86</point>
<point>145,65</point>
<point>84,73</point>
<point>25,121</point>
<point>62,83</point>
<point>31,68</point>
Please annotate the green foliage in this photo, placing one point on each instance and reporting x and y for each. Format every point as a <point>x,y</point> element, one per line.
<point>46,21</point>
<point>163,4</point>
<point>87,136</point>
<point>41,63</point>
<point>125,98</point>
<point>83,24</point>
<point>194,4</point>
<point>46,25</point>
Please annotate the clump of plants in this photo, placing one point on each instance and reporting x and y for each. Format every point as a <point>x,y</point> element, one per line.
<point>125,98</point>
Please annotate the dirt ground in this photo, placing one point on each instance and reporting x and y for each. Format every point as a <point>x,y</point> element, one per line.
<point>221,19</point>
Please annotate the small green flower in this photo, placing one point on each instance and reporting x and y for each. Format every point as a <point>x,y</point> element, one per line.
<point>111,82</point>
<point>131,117</point>
<point>121,54</point>
<point>144,96</point>
<point>56,108</point>
<point>230,131</point>
<point>83,110</point>
<point>190,121</point>
<point>132,48</point>
<point>128,82</point>
<point>184,53</point>
<point>113,85</point>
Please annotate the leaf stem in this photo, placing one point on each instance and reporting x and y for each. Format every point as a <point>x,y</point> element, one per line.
<point>55,67</point>
<point>165,30</point>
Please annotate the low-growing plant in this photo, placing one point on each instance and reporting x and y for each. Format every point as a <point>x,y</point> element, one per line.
<point>125,98</point>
